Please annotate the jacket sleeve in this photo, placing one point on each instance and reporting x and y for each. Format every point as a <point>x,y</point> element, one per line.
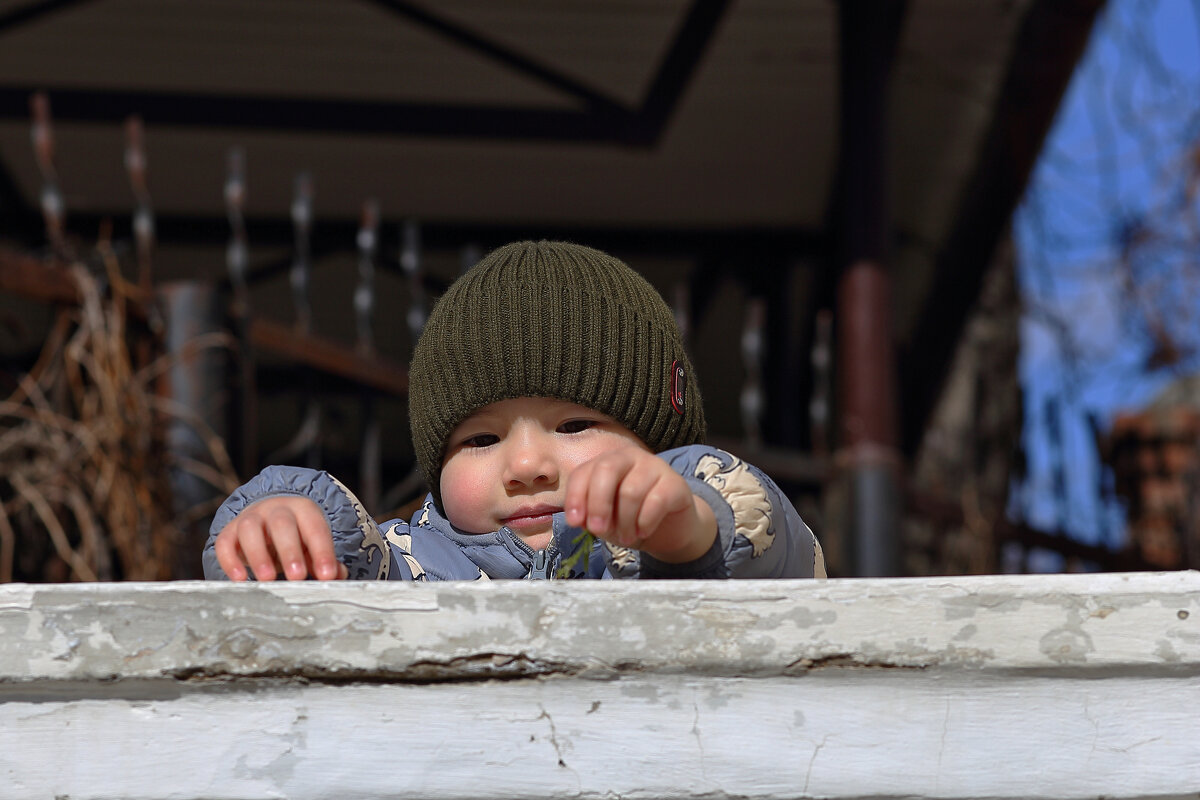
<point>358,541</point>
<point>759,532</point>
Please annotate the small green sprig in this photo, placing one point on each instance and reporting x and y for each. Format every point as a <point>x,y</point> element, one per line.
<point>583,553</point>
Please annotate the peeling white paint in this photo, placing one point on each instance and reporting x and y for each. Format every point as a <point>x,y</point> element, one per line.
<point>994,687</point>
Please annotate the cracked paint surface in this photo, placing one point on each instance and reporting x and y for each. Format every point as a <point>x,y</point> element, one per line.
<point>467,631</point>
<point>1001,687</point>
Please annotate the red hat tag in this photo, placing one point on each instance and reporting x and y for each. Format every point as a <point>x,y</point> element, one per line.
<point>678,385</point>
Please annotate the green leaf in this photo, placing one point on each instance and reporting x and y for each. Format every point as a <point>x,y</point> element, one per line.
<point>583,553</point>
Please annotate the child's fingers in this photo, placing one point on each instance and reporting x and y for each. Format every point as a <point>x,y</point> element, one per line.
<point>606,473</point>
<point>317,542</point>
<point>341,573</point>
<point>660,500</point>
<point>295,527</point>
<point>660,494</point>
<point>636,489</point>
<point>229,555</point>
<point>281,533</point>
<point>575,497</point>
<point>283,537</point>
<point>251,538</point>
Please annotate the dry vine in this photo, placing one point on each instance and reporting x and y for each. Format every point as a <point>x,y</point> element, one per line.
<point>84,473</point>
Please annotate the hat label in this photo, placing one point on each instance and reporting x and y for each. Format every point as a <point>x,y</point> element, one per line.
<point>678,385</point>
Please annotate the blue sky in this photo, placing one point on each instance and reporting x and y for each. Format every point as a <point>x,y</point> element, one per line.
<point>1108,243</point>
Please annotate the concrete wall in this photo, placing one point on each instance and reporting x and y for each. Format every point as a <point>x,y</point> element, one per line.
<point>993,687</point>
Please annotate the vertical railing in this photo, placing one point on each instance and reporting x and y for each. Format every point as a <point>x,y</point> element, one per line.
<point>370,456</point>
<point>237,258</point>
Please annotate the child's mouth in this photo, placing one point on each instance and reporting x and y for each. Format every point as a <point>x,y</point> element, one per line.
<point>531,518</point>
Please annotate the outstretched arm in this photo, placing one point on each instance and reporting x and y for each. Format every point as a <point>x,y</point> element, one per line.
<point>632,498</point>
<point>296,523</point>
<point>758,533</point>
<point>284,535</point>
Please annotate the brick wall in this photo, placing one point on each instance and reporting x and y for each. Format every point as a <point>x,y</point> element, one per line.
<point>1155,455</point>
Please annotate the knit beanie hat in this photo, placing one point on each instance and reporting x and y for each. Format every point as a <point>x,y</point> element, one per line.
<point>557,320</point>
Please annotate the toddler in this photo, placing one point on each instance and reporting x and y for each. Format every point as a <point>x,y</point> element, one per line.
<point>549,394</point>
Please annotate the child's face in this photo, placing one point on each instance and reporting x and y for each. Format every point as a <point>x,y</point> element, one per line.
<point>508,463</point>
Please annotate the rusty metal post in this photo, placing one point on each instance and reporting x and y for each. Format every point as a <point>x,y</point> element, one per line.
<point>867,458</point>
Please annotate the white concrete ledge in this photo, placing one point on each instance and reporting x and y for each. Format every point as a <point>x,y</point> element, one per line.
<point>999,687</point>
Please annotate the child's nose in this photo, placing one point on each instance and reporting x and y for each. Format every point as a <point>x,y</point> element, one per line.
<point>530,459</point>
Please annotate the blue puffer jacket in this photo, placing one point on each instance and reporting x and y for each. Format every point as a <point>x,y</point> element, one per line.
<point>760,533</point>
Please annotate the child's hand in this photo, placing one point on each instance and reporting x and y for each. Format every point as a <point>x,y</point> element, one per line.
<point>633,498</point>
<point>279,534</point>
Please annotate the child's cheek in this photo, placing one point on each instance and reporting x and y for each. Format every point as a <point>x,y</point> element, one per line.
<point>467,497</point>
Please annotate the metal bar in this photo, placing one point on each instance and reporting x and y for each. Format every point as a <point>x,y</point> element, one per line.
<point>820,405</point>
<point>326,115</point>
<point>679,66</point>
<point>48,281</point>
<point>370,457</point>
<point>867,459</point>
<point>52,203</point>
<point>336,234</point>
<point>410,264</point>
<point>329,357</point>
<point>195,382</point>
<point>752,400</point>
<point>34,278</point>
<point>364,293</point>
<point>31,12</point>
<point>237,257</point>
<point>307,440</point>
<point>510,58</point>
<point>301,270</point>
<point>143,214</point>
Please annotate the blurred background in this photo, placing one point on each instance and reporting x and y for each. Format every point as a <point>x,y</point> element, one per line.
<point>934,260</point>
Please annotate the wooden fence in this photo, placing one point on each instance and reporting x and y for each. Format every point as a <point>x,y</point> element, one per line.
<point>1065,686</point>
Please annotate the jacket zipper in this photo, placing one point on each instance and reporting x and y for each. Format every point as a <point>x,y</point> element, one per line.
<point>544,562</point>
<point>543,566</point>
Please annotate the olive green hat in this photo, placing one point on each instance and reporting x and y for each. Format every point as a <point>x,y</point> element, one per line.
<point>552,319</point>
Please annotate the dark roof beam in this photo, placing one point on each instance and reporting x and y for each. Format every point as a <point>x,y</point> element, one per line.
<point>312,115</point>
<point>31,12</point>
<point>601,119</point>
<point>596,101</point>
<point>679,66</point>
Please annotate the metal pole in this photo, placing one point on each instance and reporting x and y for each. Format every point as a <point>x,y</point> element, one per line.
<point>237,258</point>
<point>867,458</point>
<point>369,466</point>
<point>195,383</point>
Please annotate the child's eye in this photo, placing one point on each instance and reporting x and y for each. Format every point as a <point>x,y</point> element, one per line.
<point>480,440</point>
<point>577,425</point>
